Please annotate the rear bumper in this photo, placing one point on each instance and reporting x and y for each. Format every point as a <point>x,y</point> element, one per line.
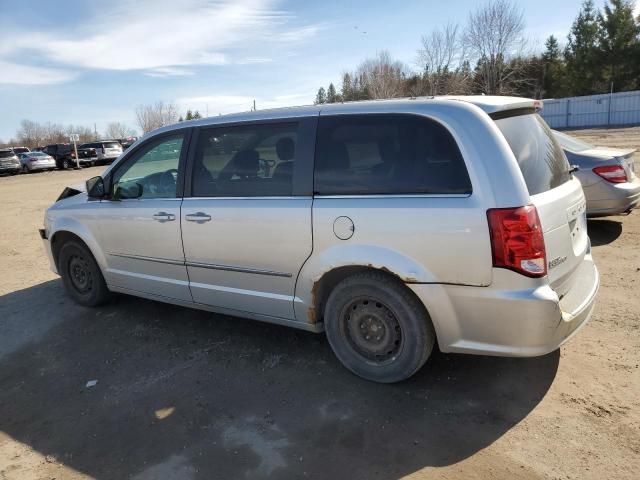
<point>504,320</point>
<point>606,198</point>
<point>10,168</point>
<point>42,166</point>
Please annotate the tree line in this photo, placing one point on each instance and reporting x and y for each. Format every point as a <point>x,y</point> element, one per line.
<point>491,55</point>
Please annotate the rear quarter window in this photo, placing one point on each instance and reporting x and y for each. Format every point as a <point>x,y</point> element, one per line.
<point>542,162</point>
<point>387,154</point>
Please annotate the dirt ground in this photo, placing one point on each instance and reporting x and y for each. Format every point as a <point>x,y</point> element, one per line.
<point>183,394</point>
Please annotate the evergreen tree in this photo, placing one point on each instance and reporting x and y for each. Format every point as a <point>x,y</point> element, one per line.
<point>347,88</point>
<point>553,71</point>
<point>196,115</point>
<point>584,75</point>
<point>189,115</point>
<point>181,119</point>
<point>619,45</point>
<point>321,97</point>
<point>331,94</point>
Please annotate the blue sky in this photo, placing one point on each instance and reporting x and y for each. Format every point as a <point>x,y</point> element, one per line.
<point>86,62</point>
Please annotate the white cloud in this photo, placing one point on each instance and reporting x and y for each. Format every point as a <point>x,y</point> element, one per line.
<point>168,72</point>
<point>14,73</point>
<point>160,36</point>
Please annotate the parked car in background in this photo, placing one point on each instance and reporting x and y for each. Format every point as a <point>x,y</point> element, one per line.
<point>127,142</point>
<point>610,183</point>
<point>62,153</point>
<point>390,225</point>
<point>18,150</point>
<point>87,156</point>
<point>9,162</point>
<point>32,161</point>
<point>106,150</point>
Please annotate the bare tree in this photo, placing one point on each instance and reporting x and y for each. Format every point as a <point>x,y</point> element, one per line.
<point>442,57</point>
<point>30,133</point>
<point>382,76</point>
<point>494,34</point>
<point>152,116</point>
<point>118,130</point>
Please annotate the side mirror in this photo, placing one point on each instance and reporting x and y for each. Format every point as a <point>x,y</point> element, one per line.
<point>95,187</point>
<point>130,191</point>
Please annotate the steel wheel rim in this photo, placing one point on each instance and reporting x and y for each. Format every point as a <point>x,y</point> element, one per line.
<point>80,274</point>
<point>372,330</point>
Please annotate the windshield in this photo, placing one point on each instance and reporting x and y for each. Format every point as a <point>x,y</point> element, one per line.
<point>571,143</point>
<point>6,154</point>
<point>111,145</point>
<point>540,157</point>
<point>20,150</point>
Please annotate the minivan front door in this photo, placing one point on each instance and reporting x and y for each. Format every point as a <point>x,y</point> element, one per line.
<point>139,225</point>
<point>246,225</point>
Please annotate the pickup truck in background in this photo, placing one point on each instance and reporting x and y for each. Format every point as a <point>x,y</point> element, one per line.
<point>65,157</point>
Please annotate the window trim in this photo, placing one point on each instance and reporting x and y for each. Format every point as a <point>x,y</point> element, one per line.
<point>132,155</point>
<point>302,181</point>
<point>393,195</point>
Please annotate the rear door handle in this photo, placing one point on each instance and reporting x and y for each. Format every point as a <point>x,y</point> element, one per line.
<point>164,217</point>
<point>198,217</point>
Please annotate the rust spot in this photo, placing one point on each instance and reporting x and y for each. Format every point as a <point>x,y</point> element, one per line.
<point>311,312</point>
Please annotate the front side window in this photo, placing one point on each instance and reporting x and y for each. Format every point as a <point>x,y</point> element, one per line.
<point>387,154</point>
<point>151,172</point>
<point>245,161</point>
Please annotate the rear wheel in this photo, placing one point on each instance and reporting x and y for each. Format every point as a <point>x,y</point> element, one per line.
<point>66,163</point>
<point>377,327</point>
<point>81,275</point>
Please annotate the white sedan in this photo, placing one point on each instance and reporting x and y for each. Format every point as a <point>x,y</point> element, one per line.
<point>32,161</point>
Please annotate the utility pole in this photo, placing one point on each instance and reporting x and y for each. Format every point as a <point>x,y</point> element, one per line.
<point>95,131</point>
<point>254,104</point>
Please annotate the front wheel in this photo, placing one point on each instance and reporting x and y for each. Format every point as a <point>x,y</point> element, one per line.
<point>378,328</point>
<point>66,163</point>
<point>81,275</point>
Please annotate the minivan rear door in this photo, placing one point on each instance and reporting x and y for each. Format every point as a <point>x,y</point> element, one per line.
<point>555,193</point>
<point>246,215</point>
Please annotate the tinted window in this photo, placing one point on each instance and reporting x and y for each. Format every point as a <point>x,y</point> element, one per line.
<point>571,143</point>
<point>539,155</point>
<point>251,160</point>
<point>6,154</point>
<point>153,170</point>
<point>20,150</point>
<point>111,145</point>
<point>387,154</point>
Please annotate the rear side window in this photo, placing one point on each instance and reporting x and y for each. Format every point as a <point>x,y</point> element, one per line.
<point>539,155</point>
<point>387,154</point>
<point>6,154</point>
<point>245,161</point>
<point>111,145</point>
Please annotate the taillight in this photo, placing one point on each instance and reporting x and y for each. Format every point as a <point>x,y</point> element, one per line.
<point>517,242</point>
<point>612,173</point>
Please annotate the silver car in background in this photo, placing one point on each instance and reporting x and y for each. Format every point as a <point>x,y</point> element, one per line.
<point>9,162</point>
<point>610,183</point>
<point>106,150</point>
<point>32,161</point>
<point>390,225</point>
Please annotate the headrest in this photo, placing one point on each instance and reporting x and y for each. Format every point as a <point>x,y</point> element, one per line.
<point>285,148</point>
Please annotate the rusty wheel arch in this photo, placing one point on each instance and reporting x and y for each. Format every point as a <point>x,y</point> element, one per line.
<point>325,284</point>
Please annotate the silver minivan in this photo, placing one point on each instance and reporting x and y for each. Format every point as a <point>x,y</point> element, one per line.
<point>390,225</point>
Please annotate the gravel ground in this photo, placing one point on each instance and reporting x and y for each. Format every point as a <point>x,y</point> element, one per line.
<point>183,394</point>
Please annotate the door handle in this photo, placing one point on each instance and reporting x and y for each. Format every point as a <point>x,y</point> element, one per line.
<point>164,217</point>
<point>198,217</point>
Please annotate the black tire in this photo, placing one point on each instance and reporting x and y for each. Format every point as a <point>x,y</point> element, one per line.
<point>378,328</point>
<point>66,163</point>
<point>81,275</point>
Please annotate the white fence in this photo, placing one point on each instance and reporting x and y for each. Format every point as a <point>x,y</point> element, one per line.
<point>593,110</point>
